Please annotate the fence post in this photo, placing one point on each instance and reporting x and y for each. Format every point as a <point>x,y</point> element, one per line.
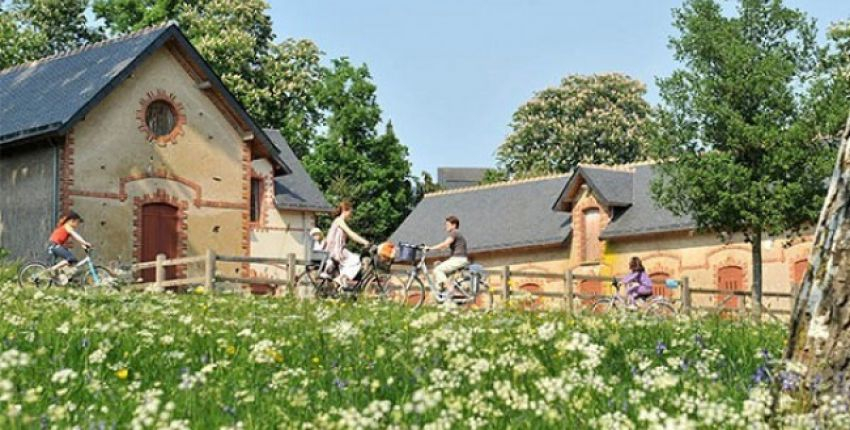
<point>159,270</point>
<point>686,295</point>
<point>209,271</point>
<point>568,281</point>
<point>506,283</point>
<point>290,273</point>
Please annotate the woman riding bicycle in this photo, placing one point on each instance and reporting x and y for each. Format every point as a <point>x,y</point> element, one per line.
<point>66,230</point>
<point>338,234</point>
<point>638,283</point>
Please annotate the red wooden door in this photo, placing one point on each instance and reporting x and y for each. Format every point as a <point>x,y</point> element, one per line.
<point>659,286</point>
<point>159,236</point>
<point>800,268</point>
<point>729,278</point>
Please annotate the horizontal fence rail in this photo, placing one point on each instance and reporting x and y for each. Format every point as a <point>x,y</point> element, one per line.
<point>724,300</point>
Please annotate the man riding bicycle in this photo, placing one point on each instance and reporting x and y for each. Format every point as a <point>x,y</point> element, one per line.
<point>456,243</point>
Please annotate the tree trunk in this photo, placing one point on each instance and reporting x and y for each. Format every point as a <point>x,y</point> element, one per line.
<point>820,324</point>
<point>757,276</point>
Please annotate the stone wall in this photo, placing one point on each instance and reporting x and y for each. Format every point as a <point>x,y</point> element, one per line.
<point>28,201</point>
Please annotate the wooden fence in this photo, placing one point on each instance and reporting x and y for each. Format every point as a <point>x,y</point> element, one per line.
<point>566,294</point>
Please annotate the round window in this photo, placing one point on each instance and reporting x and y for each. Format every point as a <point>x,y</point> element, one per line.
<point>160,118</point>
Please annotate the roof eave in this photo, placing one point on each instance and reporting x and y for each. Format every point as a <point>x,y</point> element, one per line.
<point>635,233</point>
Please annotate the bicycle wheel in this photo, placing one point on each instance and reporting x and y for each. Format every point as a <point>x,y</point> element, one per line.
<point>377,286</point>
<point>35,275</point>
<point>661,308</point>
<point>107,280</point>
<point>307,285</point>
<point>414,293</point>
<point>483,297</point>
<point>603,305</point>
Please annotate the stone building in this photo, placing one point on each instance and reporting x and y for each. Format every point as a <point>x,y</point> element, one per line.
<point>139,136</point>
<point>592,222</point>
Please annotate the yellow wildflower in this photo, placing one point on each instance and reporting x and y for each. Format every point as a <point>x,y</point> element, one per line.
<point>122,373</point>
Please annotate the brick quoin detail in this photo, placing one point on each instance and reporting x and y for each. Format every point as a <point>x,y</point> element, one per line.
<point>161,196</point>
<point>247,171</point>
<point>176,109</point>
<point>67,173</point>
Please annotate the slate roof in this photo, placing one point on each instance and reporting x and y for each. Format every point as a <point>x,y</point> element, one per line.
<point>296,190</point>
<point>492,217</point>
<point>50,95</point>
<point>612,187</point>
<point>644,215</point>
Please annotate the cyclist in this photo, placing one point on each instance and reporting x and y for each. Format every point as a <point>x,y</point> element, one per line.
<point>458,258</point>
<point>338,235</point>
<point>65,230</point>
<point>638,283</point>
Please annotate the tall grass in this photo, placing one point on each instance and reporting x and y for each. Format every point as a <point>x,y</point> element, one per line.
<point>198,361</point>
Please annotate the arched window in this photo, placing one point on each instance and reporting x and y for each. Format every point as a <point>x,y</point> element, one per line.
<point>592,226</point>
<point>533,302</point>
<point>589,288</point>
<point>729,278</point>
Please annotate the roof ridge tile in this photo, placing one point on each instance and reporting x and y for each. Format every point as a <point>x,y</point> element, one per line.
<point>496,185</point>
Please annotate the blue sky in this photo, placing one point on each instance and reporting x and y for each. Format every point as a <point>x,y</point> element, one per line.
<point>451,73</point>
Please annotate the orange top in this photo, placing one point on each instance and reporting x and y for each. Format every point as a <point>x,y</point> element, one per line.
<point>60,235</point>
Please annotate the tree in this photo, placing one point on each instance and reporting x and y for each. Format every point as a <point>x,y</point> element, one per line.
<point>425,185</point>
<point>492,176</point>
<point>32,29</point>
<point>124,16</point>
<point>744,158</point>
<point>587,119</point>
<point>351,161</point>
<point>819,330</point>
<point>819,333</point>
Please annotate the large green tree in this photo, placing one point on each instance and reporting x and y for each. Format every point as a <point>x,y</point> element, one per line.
<point>352,161</point>
<point>587,119</point>
<point>743,156</point>
<point>32,29</point>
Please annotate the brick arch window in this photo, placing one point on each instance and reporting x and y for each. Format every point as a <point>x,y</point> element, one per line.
<point>799,271</point>
<point>589,288</point>
<point>658,284</point>
<point>161,117</point>
<point>592,219</point>
<point>531,288</point>
<point>729,278</point>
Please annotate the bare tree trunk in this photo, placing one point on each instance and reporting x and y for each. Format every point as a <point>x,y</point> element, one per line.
<point>820,324</point>
<point>757,275</point>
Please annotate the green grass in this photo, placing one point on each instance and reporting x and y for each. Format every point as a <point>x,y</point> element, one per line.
<point>215,361</point>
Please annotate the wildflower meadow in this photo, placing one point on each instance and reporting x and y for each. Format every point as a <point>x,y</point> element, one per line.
<point>140,361</point>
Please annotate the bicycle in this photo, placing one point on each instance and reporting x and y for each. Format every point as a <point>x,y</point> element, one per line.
<point>370,281</point>
<point>87,274</point>
<point>654,305</point>
<point>468,289</point>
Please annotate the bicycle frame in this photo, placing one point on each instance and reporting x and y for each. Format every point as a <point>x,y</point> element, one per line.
<point>422,268</point>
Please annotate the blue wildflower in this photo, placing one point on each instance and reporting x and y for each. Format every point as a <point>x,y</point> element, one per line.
<point>660,347</point>
<point>761,375</point>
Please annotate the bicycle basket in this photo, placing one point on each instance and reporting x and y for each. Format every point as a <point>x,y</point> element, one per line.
<point>406,254</point>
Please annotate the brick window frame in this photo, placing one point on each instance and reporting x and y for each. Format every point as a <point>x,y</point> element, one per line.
<point>177,110</point>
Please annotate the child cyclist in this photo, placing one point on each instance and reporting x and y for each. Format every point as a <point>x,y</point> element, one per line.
<point>66,230</point>
<point>638,283</point>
